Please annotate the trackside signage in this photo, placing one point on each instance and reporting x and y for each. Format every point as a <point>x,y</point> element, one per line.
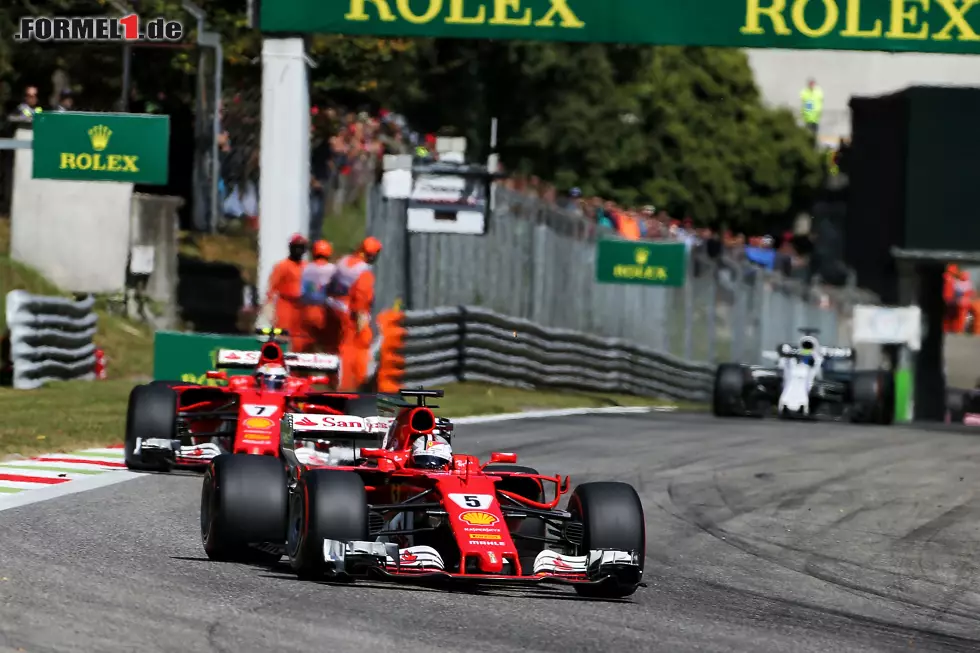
<point>84,146</point>
<point>187,357</point>
<point>951,26</point>
<point>637,262</point>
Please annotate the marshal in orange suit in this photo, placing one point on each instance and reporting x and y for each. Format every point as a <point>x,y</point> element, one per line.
<point>352,292</point>
<point>285,292</point>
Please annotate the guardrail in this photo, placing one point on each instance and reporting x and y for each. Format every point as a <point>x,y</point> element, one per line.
<point>467,343</point>
<point>51,338</point>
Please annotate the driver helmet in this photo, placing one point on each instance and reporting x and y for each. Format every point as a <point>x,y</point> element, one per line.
<point>271,377</point>
<point>431,452</point>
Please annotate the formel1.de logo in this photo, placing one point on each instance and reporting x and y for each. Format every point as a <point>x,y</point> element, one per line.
<point>98,29</point>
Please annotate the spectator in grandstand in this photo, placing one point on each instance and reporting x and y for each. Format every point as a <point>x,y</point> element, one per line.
<point>811,107</point>
<point>26,110</point>
<point>65,102</point>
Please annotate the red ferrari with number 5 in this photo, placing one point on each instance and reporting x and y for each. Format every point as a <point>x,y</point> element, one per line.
<point>405,507</point>
<point>175,424</point>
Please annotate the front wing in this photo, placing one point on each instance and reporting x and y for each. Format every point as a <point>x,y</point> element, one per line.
<point>383,560</point>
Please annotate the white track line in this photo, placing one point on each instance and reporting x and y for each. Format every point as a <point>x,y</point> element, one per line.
<point>111,476</point>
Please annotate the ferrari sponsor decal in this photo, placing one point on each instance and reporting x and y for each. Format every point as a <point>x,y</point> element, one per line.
<point>481,543</point>
<point>346,423</point>
<point>253,438</point>
<point>478,518</point>
<point>472,501</point>
<point>478,529</point>
<point>482,536</point>
<point>259,423</point>
<point>257,410</point>
<point>493,558</point>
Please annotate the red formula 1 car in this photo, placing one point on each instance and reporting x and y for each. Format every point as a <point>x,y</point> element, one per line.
<point>378,514</point>
<point>170,423</point>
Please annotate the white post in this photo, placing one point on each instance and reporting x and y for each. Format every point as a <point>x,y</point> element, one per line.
<point>284,182</point>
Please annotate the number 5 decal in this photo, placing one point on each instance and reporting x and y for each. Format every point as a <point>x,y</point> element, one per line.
<point>472,501</point>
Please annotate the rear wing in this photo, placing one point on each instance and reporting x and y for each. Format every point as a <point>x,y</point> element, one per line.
<point>245,359</point>
<point>829,353</point>
<point>350,426</point>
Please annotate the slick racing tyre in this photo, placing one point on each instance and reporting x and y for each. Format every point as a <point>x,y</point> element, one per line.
<point>529,527</point>
<point>873,397</point>
<point>152,413</point>
<point>327,504</point>
<point>243,504</point>
<point>612,518</point>
<point>728,399</point>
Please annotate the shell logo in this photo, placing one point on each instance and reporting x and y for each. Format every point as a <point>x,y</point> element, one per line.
<point>259,423</point>
<point>478,518</point>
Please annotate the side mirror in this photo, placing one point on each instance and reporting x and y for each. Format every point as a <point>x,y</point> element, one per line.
<point>373,453</point>
<point>219,375</point>
<point>320,380</point>
<point>497,457</point>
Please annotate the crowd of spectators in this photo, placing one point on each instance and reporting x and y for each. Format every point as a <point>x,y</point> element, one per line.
<point>346,149</point>
<point>781,252</point>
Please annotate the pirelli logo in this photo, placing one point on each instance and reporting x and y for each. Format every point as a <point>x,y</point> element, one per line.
<point>483,536</point>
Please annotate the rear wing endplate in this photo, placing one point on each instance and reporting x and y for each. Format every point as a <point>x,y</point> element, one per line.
<point>245,359</point>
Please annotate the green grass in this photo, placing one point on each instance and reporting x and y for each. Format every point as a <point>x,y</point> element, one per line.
<point>63,416</point>
<point>128,346</point>
<point>77,414</point>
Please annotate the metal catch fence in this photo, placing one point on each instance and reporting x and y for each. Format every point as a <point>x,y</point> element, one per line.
<point>537,264</point>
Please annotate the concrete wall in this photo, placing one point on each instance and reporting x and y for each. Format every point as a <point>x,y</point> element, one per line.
<point>155,224</point>
<point>74,233</point>
<point>781,75</point>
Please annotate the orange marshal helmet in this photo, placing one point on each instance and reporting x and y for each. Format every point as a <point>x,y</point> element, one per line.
<point>371,246</point>
<point>322,249</point>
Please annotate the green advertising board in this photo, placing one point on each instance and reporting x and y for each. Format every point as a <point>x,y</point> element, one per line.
<point>639,262</point>
<point>951,26</point>
<point>188,356</point>
<point>82,146</point>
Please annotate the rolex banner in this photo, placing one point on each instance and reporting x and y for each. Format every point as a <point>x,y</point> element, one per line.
<point>641,262</point>
<point>82,146</point>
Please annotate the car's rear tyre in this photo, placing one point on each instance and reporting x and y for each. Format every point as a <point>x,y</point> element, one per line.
<point>151,413</point>
<point>728,397</point>
<point>326,504</point>
<point>612,518</point>
<point>243,503</point>
<point>873,397</point>
<point>530,527</point>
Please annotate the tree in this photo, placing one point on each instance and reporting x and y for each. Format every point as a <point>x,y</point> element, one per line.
<point>680,127</point>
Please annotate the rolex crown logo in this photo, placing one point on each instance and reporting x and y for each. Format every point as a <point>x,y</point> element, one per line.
<point>99,135</point>
<point>641,256</point>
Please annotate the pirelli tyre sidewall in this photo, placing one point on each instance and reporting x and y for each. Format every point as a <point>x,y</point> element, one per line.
<point>151,413</point>
<point>873,397</point>
<point>728,396</point>
<point>243,504</point>
<point>612,518</point>
<point>530,527</point>
<point>325,504</point>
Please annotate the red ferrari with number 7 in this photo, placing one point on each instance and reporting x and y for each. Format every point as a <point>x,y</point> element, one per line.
<point>175,424</point>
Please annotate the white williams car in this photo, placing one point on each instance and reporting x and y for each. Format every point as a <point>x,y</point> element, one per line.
<point>808,381</point>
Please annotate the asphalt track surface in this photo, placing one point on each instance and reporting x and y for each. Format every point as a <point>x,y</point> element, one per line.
<point>762,536</point>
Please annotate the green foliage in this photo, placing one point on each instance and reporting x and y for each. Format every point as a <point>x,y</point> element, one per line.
<point>680,127</point>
